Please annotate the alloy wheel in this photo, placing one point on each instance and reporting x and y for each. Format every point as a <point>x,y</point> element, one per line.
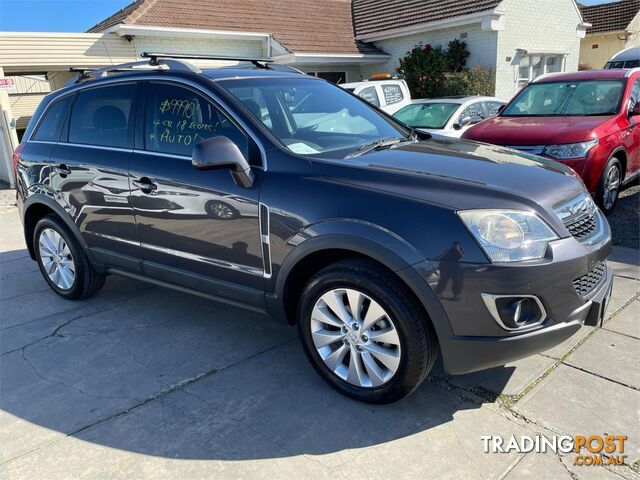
<point>355,337</point>
<point>611,187</point>
<point>56,259</point>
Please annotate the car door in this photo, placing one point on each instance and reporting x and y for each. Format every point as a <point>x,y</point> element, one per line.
<point>197,228</point>
<point>90,171</point>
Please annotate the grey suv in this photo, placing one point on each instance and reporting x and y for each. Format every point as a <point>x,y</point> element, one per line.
<point>264,188</point>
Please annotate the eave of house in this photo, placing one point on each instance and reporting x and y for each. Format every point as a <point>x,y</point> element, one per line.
<point>330,58</point>
<point>490,20</point>
<point>124,30</point>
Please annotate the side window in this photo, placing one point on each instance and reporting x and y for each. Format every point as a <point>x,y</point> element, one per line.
<point>392,93</point>
<point>634,97</point>
<point>370,95</point>
<point>102,116</point>
<point>177,119</point>
<point>492,108</point>
<point>51,124</point>
<point>475,112</point>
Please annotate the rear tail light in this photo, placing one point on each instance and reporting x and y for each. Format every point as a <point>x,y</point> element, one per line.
<point>15,158</point>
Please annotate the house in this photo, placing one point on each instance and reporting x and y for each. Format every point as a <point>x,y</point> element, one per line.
<point>348,41</point>
<point>339,40</point>
<point>614,26</point>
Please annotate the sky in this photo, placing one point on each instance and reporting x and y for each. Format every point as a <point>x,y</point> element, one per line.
<point>72,15</point>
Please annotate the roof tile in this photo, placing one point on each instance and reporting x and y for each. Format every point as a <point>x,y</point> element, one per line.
<point>610,17</point>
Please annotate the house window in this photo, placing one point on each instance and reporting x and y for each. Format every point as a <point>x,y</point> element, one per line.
<point>333,77</point>
<point>532,66</point>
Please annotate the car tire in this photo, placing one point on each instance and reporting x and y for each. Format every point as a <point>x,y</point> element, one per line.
<point>221,210</point>
<point>399,363</point>
<point>609,186</point>
<point>62,261</point>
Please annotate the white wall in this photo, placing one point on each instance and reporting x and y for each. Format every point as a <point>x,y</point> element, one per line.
<point>244,48</point>
<point>482,46</point>
<point>540,25</point>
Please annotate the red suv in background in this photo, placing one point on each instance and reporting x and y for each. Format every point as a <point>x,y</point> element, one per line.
<point>587,120</point>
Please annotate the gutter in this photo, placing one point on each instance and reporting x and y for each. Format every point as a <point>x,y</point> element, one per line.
<point>492,20</point>
<point>330,58</point>
<point>124,29</point>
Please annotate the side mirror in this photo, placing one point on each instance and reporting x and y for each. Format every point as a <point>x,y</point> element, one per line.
<point>501,108</point>
<point>220,152</point>
<point>462,122</point>
<point>635,109</point>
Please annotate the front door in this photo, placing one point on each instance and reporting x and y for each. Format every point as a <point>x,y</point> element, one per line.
<point>197,228</point>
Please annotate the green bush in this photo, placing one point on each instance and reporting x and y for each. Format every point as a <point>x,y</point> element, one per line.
<point>435,72</point>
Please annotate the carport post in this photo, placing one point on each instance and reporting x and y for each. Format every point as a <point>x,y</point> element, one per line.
<point>8,137</point>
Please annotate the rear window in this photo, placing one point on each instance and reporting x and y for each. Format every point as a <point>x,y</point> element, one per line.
<point>392,93</point>
<point>52,121</point>
<point>370,95</point>
<point>101,116</point>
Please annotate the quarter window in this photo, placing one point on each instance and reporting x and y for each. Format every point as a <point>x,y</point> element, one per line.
<point>101,116</point>
<point>177,119</point>
<point>392,93</point>
<point>370,95</point>
<point>51,124</point>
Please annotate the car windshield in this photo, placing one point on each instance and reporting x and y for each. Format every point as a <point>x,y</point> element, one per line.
<point>590,97</point>
<point>313,117</point>
<point>426,115</point>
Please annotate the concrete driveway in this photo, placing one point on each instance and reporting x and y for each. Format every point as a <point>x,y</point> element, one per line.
<point>143,382</point>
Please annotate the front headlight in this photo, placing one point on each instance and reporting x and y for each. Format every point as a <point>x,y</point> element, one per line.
<point>509,235</point>
<point>569,150</point>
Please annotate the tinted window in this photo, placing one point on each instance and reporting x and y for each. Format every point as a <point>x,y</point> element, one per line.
<point>392,93</point>
<point>475,111</point>
<point>101,116</point>
<point>370,95</point>
<point>177,119</point>
<point>51,124</point>
<point>632,64</point>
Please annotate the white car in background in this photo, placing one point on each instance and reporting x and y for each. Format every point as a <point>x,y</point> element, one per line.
<point>448,116</point>
<point>389,95</point>
<point>627,58</point>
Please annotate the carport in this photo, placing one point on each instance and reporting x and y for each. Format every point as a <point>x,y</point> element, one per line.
<point>50,54</point>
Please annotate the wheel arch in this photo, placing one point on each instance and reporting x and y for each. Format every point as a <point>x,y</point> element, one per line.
<point>621,154</point>
<point>38,206</point>
<point>380,247</point>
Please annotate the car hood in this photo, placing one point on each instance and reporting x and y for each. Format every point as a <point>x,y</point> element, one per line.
<point>463,174</point>
<point>536,130</point>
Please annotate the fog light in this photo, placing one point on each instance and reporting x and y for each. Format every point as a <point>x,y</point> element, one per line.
<point>515,312</point>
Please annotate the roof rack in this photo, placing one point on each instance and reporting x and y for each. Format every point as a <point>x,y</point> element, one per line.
<point>173,61</point>
<point>154,58</point>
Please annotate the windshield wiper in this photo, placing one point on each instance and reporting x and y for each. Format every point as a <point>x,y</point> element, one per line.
<point>380,144</point>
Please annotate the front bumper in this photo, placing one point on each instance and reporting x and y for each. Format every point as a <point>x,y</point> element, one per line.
<point>470,354</point>
<point>476,341</point>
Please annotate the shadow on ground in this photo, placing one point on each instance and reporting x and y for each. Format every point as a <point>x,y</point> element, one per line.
<point>162,373</point>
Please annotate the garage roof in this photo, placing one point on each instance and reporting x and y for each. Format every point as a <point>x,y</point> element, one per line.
<point>299,25</point>
<point>610,17</point>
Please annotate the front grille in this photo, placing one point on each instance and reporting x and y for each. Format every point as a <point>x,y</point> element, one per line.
<point>586,284</point>
<point>581,228</point>
<point>579,216</point>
